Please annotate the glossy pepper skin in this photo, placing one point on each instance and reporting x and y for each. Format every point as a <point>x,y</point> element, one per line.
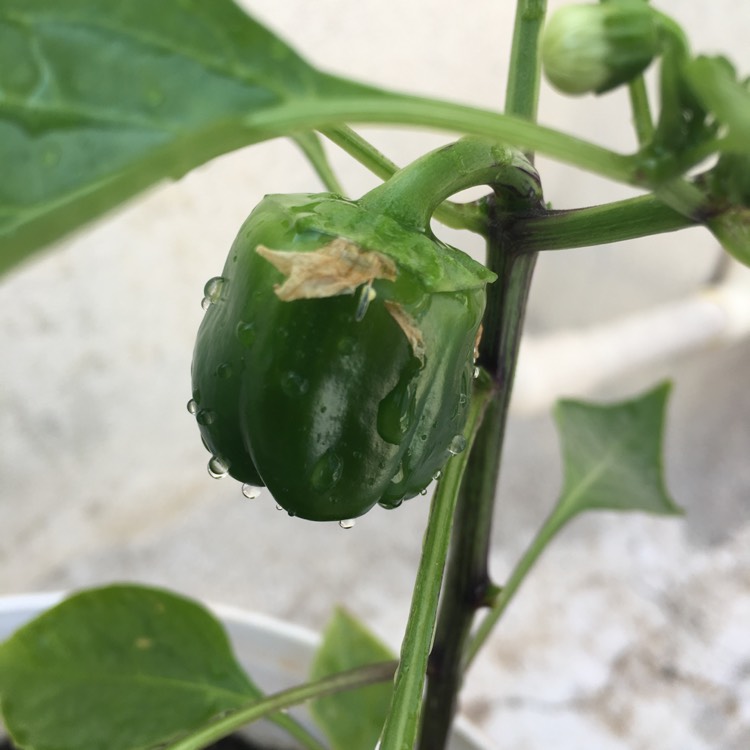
<point>341,401</point>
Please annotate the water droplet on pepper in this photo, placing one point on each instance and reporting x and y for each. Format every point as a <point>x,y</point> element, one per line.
<point>391,504</point>
<point>212,291</point>
<point>327,471</point>
<point>293,384</point>
<point>224,371</point>
<point>205,417</point>
<point>217,468</point>
<point>246,333</point>
<point>396,410</point>
<point>366,296</point>
<point>399,475</point>
<point>250,491</point>
<point>457,445</point>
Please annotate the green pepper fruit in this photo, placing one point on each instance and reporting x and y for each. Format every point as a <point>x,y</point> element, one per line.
<point>597,47</point>
<point>334,363</point>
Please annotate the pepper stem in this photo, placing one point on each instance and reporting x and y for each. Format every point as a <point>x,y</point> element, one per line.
<point>412,195</point>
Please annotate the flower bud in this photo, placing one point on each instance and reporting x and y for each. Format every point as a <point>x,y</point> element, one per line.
<point>594,48</point>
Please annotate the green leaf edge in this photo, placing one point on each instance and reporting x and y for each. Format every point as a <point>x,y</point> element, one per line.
<point>564,511</point>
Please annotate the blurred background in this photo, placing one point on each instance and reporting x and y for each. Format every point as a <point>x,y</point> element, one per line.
<point>634,632</point>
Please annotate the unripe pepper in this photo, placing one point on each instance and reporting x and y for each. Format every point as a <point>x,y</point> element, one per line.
<point>334,363</point>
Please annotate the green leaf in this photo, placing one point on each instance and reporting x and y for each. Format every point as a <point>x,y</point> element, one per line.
<point>121,668</point>
<point>612,456</point>
<point>352,719</point>
<point>100,100</point>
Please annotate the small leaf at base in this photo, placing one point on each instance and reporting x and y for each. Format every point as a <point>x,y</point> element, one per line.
<point>122,668</point>
<point>353,719</point>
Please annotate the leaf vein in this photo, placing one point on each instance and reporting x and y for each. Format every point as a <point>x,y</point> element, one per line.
<point>236,71</point>
<point>84,116</point>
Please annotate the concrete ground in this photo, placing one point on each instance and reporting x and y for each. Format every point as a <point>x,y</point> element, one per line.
<point>633,633</point>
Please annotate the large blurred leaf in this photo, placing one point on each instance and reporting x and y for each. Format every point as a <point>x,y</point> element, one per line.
<point>99,100</point>
<point>121,668</point>
<point>352,719</point>
<point>612,455</point>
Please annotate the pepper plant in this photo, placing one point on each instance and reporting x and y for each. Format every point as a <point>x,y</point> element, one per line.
<point>347,356</point>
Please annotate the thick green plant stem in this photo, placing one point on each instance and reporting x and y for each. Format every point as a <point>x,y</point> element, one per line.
<point>686,198</point>
<point>456,215</point>
<point>402,723</point>
<point>413,194</point>
<point>622,220</point>
<point>522,93</point>
<point>468,586</point>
